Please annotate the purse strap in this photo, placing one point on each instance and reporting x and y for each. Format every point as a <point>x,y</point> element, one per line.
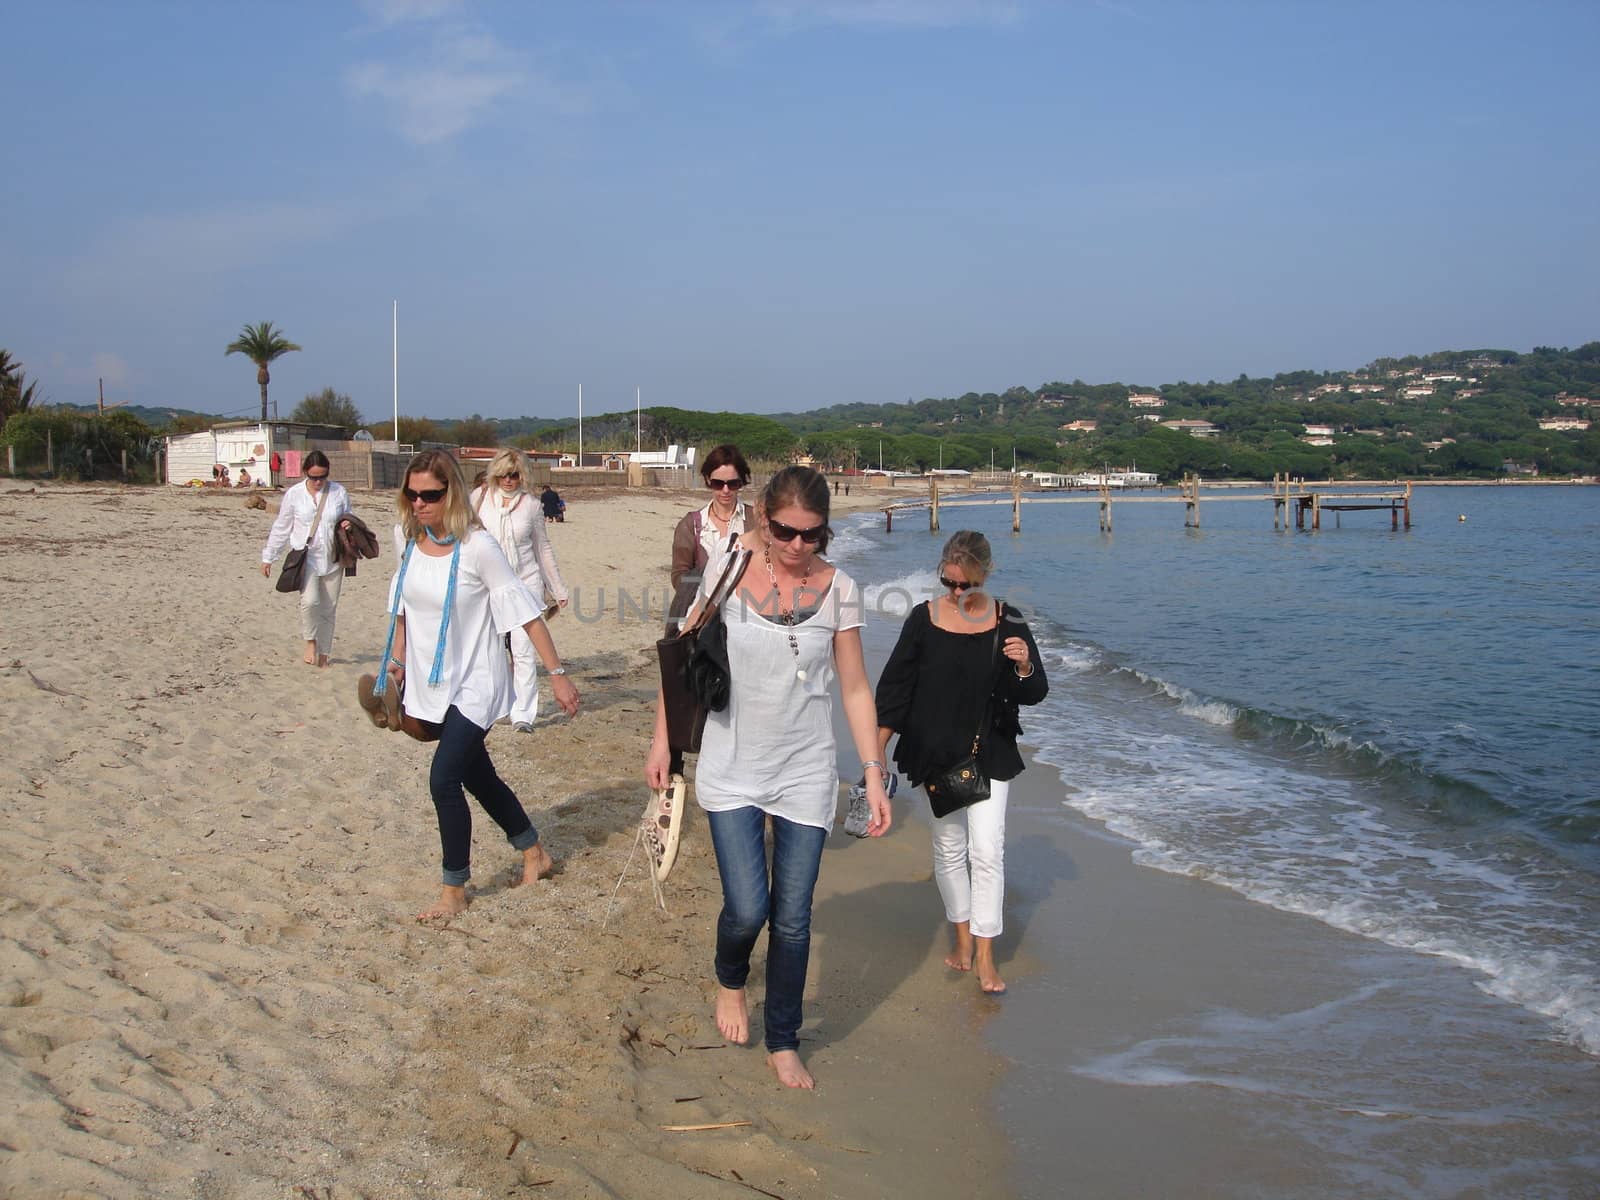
<point>988,698</point>
<point>317,520</point>
<point>732,573</point>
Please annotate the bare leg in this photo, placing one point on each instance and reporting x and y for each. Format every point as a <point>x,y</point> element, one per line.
<point>791,1072</point>
<point>960,959</point>
<point>452,903</point>
<point>311,653</point>
<point>536,864</point>
<point>988,975</point>
<point>733,1015</point>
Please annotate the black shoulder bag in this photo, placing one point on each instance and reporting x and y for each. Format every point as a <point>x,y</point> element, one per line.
<point>694,664</point>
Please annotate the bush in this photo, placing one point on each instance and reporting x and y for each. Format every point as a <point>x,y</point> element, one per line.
<point>83,446</point>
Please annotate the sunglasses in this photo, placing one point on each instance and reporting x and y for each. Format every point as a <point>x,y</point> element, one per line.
<point>426,495</point>
<point>511,475</point>
<point>716,485</point>
<point>787,533</point>
<point>309,475</point>
<point>959,585</point>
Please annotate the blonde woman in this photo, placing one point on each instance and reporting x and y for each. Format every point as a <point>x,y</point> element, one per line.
<point>961,667</point>
<point>513,515</point>
<point>453,597</point>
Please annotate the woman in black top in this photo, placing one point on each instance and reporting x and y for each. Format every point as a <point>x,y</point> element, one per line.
<point>950,665</point>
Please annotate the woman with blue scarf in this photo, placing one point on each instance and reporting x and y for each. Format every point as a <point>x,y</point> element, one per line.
<point>453,600</point>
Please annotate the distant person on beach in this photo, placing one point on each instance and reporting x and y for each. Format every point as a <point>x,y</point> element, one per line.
<point>961,667</point>
<point>453,598</point>
<point>705,530</point>
<point>555,508</point>
<point>307,516</point>
<point>509,512</point>
<point>793,627</point>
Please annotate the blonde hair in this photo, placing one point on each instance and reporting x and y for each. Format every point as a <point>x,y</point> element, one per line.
<point>969,550</point>
<point>509,459</point>
<point>458,515</point>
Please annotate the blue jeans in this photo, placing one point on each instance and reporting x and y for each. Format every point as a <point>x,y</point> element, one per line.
<point>461,760</point>
<point>753,897</point>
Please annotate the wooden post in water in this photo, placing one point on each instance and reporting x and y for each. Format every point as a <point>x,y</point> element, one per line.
<point>1105,508</point>
<point>888,520</point>
<point>933,504</point>
<point>1016,503</point>
<point>1190,491</point>
<point>1316,511</point>
<point>1408,504</point>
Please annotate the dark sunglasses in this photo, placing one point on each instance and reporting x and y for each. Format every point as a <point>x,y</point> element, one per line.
<point>309,475</point>
<point>426,495</point>
<point>787,533</point>
<point>733,485</point>
<point>958,585</point>
<point>510,475</point>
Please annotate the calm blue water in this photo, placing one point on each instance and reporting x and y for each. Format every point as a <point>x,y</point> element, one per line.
<point>1392,732</point>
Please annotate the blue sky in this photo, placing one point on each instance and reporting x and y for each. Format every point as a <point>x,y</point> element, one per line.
<point>776,206</point>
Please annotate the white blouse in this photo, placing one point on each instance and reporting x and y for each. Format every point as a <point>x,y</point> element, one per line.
<point>490,602</point>
<point>711,540</point>
<point>518,525</point>
<point>296,511</point>
<point>773,747</point>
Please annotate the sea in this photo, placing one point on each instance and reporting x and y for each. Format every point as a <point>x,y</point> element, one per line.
<point>1394,733</point>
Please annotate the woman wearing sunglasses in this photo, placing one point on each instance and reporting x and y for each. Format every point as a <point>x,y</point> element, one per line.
<point>513,515</point>
<point>794,627</point>
<point>453,598</point>
<point>307,516</point>
<point>961,667</point>
<point>703,531</point>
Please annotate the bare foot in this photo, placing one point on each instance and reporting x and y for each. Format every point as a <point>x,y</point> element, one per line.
<point>452,903</point>
<point>536,864</point>
<point>960,959</point>
<point>322,660</point>
<point>733,1015</point>
<point>791,1072</point>
<point>988,975</point>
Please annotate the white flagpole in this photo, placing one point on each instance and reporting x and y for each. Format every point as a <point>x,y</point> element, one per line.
<point>638,420</point>
<point>580,425</point>
<point>396,366</point>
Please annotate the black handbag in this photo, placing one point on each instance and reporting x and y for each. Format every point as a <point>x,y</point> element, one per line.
<point>294,562</point>
<point>956,787</point>
<point>694,664</point>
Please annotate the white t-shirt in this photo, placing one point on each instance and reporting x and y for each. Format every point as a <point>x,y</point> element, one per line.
<point>490,602</point>
<point>773,746</point>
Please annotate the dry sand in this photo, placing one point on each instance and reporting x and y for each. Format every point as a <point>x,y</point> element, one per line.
<point>211,983</point>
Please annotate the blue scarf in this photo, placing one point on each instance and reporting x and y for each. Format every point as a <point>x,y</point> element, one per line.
<point>382,685</point>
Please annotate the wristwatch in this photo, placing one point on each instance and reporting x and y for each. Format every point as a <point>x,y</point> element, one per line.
<point>555,670</point>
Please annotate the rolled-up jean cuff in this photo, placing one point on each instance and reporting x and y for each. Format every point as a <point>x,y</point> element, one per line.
<point>529,837</point>
<point>455,878</point>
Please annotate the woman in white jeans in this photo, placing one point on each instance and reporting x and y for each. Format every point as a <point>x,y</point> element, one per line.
<point>298,525</point>
<point>514,516</point>
<point>960,669</point>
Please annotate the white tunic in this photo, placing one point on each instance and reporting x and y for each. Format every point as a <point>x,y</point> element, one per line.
<point>296,511</point>
<point>773,746</point>
<point>490,602</point>
<point>519,528</point>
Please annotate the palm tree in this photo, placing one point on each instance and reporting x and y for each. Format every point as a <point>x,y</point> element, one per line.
<point>261,344</point>
<point>14,397</point>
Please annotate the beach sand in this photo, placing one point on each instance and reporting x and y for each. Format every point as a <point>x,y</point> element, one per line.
<point>211,979</point>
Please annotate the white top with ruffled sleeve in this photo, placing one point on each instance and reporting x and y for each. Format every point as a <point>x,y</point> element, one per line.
<point>490,602</point>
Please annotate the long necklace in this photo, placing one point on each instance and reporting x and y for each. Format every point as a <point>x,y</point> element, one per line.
<point>787,617</point>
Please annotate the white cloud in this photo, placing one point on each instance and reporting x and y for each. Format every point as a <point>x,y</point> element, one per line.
<point>891,14</point>
<point>455,85</point>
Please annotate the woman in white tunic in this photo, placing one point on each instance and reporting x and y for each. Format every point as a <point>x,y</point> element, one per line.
<point>453,598</point>
<point>307,516</point>
<point>514,517</point>
<point>793,628</point>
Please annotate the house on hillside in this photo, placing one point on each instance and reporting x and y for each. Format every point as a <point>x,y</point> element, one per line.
<point>1145,400</point>
<point>1563,424</point>
<point>1192,428</point>
<point>1086,426</point>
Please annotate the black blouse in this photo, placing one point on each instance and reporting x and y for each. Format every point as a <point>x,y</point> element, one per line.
<point>932,693</point>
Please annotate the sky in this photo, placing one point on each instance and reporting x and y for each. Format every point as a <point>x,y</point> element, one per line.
<point>771,205</point>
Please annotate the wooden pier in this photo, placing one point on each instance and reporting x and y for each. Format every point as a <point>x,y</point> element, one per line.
<point>1307,501</point>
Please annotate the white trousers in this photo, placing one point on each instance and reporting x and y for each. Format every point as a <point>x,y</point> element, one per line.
<point>969,861</point>
<point>319,597</point>
<point>524,678</point>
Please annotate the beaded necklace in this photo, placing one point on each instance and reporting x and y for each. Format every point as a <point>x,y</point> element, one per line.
<point>437,670</point>
<point>787,617</point>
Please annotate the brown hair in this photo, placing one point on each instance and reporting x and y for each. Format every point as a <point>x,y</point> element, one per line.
<point>725,455</point>
<point>803,487</point>
<point>458,515</point>
<point>969,550</point>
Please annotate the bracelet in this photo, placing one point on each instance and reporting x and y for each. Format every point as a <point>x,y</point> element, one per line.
<point>883,772</point>
<point>1017,667</point>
